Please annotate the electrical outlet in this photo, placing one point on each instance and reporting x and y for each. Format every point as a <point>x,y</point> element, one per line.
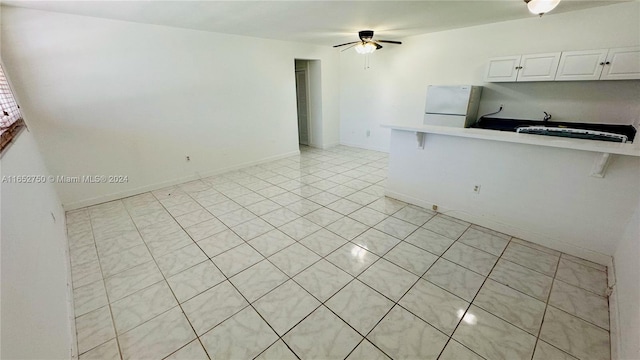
<point>476,189</point>
<point>368,133</point>
<point>188,158</point>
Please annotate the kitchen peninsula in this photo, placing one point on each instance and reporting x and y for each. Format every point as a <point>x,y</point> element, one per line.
<point>520,184</point>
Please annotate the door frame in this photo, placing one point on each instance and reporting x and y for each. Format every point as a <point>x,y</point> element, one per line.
<point>305,70</point>
<point>315,116</point>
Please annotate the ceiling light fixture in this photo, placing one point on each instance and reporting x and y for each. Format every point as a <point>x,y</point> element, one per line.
<point>365,47</point>
<point>541,7</point>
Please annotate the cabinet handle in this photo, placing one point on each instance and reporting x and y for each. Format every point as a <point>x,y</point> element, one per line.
<point>607,63</point>
<point>602,63</point>
<point>518,67</point>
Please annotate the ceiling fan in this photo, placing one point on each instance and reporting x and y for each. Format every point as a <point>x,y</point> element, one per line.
<point>367,44</point>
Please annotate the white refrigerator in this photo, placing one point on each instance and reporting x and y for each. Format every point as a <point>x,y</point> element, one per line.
<point>455,106</point>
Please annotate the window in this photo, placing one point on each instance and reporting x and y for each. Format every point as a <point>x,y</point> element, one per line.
<point>10,117</point>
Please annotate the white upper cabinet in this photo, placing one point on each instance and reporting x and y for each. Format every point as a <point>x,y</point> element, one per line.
<point>538,67</point>
<point>503,69</point>
<point>600,64</point>
<point>622,64</point>
<point>581,65</point>
<point>533,67</point>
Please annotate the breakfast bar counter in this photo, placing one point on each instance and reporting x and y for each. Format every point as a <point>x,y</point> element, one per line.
<point>630,149</point>
<point>564,193</point>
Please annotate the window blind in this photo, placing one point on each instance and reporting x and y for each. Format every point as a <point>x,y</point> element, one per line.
<point>10,115</point>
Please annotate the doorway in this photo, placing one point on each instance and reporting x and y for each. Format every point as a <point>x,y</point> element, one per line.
<point>302,101</point>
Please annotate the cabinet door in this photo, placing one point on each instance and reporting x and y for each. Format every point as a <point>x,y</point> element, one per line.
<point>622,64</point>
<point>503,69</point>
<point>581,65</point>
<point>538,67</point>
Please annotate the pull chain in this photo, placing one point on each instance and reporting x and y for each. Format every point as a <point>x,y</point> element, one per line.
<point>366,62</point>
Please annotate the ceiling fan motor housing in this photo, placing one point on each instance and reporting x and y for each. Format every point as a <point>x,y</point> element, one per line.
<point>366,35</point>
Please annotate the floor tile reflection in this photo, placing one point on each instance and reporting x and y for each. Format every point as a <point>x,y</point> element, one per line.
<point>304,257</point>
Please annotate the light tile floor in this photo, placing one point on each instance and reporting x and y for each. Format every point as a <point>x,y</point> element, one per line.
<point>305,258</point>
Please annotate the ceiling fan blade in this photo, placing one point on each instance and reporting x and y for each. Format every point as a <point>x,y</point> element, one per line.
<point>390,41</point>
<point>347,48</point>
<point>349,43</point>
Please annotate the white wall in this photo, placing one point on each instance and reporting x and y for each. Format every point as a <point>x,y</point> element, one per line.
<point>542,194</point>
<point>36,296</point>
<point>118,98</point>
<point>627,289</point>
<point>393,89</point>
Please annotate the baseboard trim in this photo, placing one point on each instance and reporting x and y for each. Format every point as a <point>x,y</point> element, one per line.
<point>497,225</point>
<point>151,187</point>
<point>362,146</point>
<point>73,350</point>
<point>328,146</point>
<point>614,314</point>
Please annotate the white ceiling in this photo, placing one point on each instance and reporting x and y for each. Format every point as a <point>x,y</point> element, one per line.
<point>321,22</point>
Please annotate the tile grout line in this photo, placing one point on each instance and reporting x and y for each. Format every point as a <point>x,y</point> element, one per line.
<point>170,289</point>
<point>104,283</point>
<point>291,278</point>
<point>360,206</point>
<point>209,259</point>
<point>322,258</point>
<point>420,277</point>
<point>73,288</point>
<point>450,337</point>
<point>322,303</point>
<point>250,304</point>
<point>472,301</point>
<point>546,306</point>
<point>127,210</point>
<point>396,303</point>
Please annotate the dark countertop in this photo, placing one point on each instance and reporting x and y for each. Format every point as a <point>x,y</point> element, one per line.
<point>512,124</point>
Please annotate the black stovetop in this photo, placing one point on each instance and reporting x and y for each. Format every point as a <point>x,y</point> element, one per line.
<point>514,124</point>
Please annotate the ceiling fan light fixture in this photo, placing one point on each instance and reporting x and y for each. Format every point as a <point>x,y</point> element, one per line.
<point>541,7</point>
<point>365,48</point>
<point>365,35</point>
